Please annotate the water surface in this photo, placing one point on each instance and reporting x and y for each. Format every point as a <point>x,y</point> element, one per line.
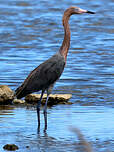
<point>30,33</point>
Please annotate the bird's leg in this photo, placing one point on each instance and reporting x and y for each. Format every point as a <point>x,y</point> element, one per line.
<point>49,89</point>
<point>45,112</point>
<point>38,109</point>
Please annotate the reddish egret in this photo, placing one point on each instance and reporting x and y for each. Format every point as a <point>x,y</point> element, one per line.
<point>46,74</point>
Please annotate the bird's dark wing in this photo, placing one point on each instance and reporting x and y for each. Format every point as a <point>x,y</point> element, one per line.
<point>43,76</point>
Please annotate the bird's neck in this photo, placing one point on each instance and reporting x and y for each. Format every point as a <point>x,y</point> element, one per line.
<point>66,42</point>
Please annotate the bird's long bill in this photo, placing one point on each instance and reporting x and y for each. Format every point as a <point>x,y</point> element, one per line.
<point>90,12</point>
<point>85,11</point>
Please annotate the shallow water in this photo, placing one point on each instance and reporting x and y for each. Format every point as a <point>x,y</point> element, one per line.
<point>30,33</point>
<point>18,125</point>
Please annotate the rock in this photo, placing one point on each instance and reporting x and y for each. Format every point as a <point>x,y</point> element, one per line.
<point>6,94</point>
<point>18,101</point>
<point>11,147</point>
<point>27,146</point>
<point>53,99</point>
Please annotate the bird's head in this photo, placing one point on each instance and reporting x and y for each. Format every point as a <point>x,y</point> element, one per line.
<point>77,10</point>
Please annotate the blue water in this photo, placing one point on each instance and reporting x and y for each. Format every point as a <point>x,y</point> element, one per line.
<point>31,32</point>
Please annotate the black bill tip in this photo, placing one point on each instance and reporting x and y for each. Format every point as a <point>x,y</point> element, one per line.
<point>90,12</point>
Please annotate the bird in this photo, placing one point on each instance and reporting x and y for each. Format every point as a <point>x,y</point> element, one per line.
<point>44,76</point>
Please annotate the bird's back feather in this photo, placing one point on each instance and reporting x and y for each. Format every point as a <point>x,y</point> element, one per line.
<point>43,76</point>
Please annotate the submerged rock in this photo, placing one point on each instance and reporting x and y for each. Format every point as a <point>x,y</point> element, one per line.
<point>11,147</point>
<point>6,94</point>
<point>53,98</point>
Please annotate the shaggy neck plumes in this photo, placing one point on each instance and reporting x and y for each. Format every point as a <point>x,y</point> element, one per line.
<point>66,42</point>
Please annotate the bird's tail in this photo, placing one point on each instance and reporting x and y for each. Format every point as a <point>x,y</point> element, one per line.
<point>22,91</point>
<point>19,93</point>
